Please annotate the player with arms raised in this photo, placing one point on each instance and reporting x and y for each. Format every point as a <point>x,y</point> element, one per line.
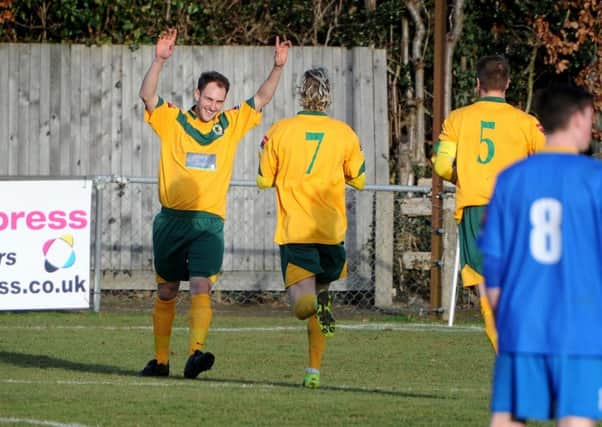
<point>197,154</point>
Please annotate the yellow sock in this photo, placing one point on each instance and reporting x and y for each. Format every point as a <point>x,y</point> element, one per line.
<point>163,315</point>
<point>317,342</point>
<point>490,329</point>
<point>199,320</point>
<point>305,306</point>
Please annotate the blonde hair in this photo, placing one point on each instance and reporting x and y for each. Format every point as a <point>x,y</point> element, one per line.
<point>315,90</point>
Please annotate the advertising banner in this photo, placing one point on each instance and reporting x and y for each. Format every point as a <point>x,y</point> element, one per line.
<point>45,244</point>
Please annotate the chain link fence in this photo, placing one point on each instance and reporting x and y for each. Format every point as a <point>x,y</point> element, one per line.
<point>388,249</point>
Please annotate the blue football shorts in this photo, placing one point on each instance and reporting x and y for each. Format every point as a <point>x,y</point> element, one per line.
<point>544,387</point>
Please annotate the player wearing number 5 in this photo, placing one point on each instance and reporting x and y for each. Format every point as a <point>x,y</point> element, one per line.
<point>475,144</point>
<point>542,245</point>
<point>309,158</point>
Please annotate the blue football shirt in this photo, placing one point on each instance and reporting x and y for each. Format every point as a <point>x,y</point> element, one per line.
<point>543,234</point>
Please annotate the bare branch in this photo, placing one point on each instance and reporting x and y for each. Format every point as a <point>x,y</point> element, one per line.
<point>334,23</point>
<point>413,8</point>
<point>531,74</point>
<point>456,26</point>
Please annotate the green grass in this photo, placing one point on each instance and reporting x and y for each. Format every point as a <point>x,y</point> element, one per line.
<point>81,368</point>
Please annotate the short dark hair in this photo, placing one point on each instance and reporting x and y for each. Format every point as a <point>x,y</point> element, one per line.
<point>213,76</point>
<point>555,105</point>
<point>493,72</point>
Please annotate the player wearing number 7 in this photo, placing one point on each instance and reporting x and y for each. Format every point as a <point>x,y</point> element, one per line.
<point>475,144</point>
<point>542,245</point>
<point>309,158</point>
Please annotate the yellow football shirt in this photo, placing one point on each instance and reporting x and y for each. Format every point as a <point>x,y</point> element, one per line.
<point>197,157</point>
<point>309,158</point>
<point>484,138</point>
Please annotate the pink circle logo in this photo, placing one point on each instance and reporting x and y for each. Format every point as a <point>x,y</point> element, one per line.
<point>58,253</point>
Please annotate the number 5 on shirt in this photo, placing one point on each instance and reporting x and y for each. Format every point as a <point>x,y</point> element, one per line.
<point>488,141</point>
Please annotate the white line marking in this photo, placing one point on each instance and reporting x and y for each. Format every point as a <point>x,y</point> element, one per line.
<point>167,383</point>
<point>37,422</point>
<point>224,383</point>
<point>410,327</point>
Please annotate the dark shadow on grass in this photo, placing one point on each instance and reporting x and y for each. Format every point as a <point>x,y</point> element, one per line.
<point>329,388</point>
<point>42,361</point>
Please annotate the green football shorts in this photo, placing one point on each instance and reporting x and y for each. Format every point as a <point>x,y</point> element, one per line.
<point>187,244</point>
<point>302,260</point>
<point>468,230</point>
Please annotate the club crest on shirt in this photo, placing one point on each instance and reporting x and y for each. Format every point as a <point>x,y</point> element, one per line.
<point>218,129</point>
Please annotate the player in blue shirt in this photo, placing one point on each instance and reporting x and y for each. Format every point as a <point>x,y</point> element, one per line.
<point>542,246</point>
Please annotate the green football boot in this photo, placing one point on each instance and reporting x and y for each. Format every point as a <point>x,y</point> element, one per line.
<point>311,380</point>
<point>324,314</point>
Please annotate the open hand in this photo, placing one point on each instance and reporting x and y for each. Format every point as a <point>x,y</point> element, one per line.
<point>166,44</point>
<point>281,51</point>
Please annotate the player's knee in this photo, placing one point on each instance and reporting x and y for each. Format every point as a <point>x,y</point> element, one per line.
<point>200,285</point>
<point>167,291</point>
<point>305,306</point>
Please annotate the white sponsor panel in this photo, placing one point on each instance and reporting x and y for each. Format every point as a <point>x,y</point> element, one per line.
<point>45,244</point>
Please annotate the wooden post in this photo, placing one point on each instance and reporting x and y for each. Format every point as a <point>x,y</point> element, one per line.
<point>437,185</point>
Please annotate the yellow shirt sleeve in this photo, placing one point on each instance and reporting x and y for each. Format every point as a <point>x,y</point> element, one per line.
<point>162,118</point>
<point>358,182</point>
<point>443,163</point>
<point>263,182</point>
<point>354,166</point>
<point>539,138</point>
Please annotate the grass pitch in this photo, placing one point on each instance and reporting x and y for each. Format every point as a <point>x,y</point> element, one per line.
<point>80,368</point>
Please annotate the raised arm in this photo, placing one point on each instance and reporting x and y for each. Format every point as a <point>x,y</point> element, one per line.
<point>268,88</point>
<point>163,50</point>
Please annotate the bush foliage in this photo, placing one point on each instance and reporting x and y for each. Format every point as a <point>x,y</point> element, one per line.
<point>505,27</point>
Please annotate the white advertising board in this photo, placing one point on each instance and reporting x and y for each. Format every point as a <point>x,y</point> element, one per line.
<point>45,244</point>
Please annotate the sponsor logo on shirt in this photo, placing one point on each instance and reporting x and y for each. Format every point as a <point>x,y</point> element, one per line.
<point>200,161</point>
